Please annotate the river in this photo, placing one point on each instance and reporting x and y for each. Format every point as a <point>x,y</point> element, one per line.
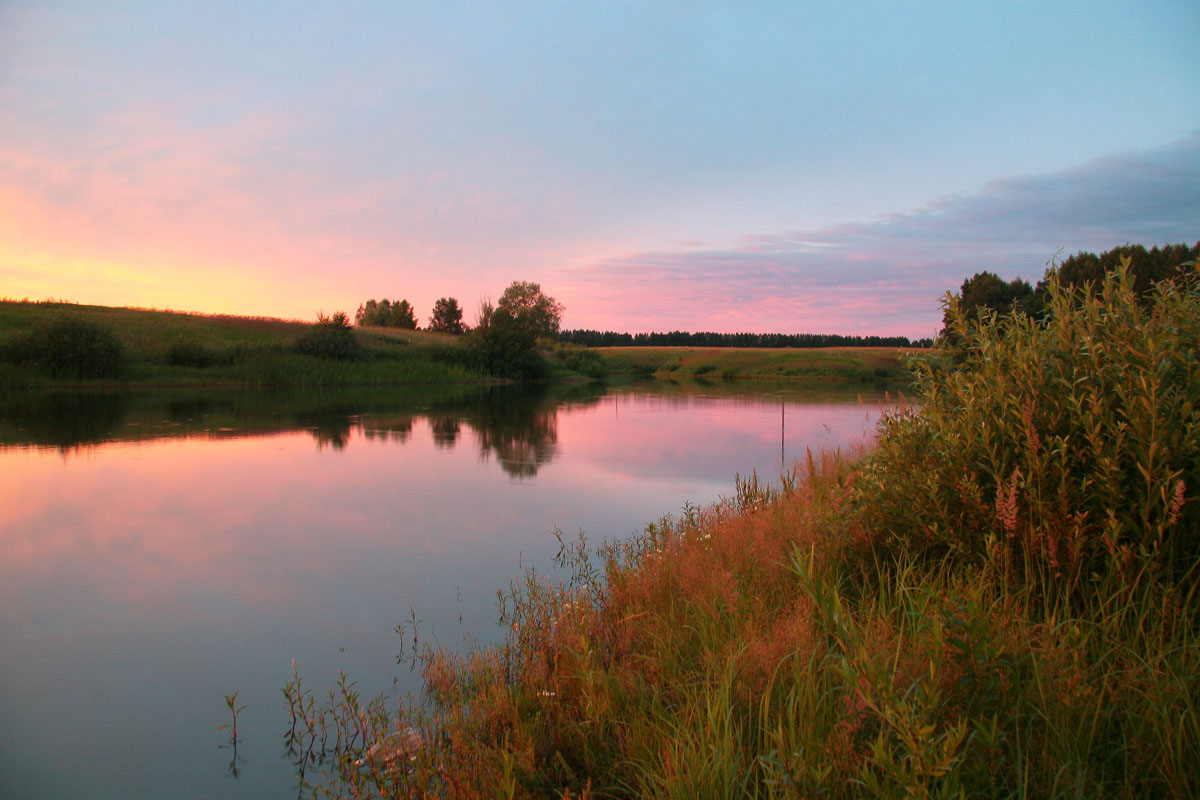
<point>159,550</point>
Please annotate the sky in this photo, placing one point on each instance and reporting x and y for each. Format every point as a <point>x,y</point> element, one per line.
<point>796,167</point>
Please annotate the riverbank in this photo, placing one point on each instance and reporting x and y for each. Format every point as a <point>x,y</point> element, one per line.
<point>999,600</point>
<point>168,348</point>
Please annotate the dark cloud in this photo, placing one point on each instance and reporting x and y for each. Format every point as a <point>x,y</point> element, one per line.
<point>887,276</point>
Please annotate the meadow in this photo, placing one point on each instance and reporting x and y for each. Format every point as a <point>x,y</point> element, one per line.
<point>998,600</point>
<point>741,363</point>
<point>146,347</point>
<point>169,348</point>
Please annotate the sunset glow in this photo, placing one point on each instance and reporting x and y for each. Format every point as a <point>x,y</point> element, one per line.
<point>786,167</point>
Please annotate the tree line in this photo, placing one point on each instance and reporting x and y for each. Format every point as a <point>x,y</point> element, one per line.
<point>504,341</point>
<point>445,318</point>
<point>593,338</point>
<point>986,291</point>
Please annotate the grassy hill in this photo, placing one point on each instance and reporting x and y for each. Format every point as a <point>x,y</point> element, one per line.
<point>171,348</point>
<point>176,348</point>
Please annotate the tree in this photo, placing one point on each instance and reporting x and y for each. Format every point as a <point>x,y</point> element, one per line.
<point>446,317</point>
<point>394,313</point>
<point>986,290</point>
<point>504,342</point>
<point>402,316</point>
<point>368,313</point>
<point>1147,267</point>
<point>533,312</point>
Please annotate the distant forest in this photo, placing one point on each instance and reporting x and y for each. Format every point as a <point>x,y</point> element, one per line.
<point>590,338</point>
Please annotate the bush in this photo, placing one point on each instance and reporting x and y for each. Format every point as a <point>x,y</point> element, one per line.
<point>1064,453</point>
<point>504,348</point>
<point>586,362</point>
<point>190,353</point>
<point>70,347</point>
<point>330,337</point>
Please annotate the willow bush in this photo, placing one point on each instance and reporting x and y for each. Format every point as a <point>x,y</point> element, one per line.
<point>70,347</point>
<point>1064,452</point>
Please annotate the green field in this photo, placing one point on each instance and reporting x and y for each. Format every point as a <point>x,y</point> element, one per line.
<point>171,348</point>
<point>820,364</point>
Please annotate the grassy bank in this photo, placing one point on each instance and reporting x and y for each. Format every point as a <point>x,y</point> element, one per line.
<point>740,363</point>
<point>1000,600</point>
<point>166,348</point>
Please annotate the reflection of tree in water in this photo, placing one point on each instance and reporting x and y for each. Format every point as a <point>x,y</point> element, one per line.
<point>63,420</point>
<point>445,430</point>
<point>516,423</point>
<point>328,428</point>
<point>520,428</point>
<point>388,428</point>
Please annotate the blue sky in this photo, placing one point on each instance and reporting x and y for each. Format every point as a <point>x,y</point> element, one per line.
<point>796,167</point>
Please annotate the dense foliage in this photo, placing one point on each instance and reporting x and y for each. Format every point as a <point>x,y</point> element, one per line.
<point>70,347</point>
<point>986,291</point>
<point>386,313</point>
<point>1065,449</point>
<point>1145,267</point>
<point>505,338</point>
<point>330,337</point>
<point>447,316</point>
<point>1084,271</point>
<point>593,338</point>
<point>534,313</point>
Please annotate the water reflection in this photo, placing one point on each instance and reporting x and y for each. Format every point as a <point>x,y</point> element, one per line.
<point>160,550</point>
<point>516,425</point>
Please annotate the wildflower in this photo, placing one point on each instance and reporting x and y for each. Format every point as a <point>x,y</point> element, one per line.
<point>1006,503</point>
<point>1176,503</point>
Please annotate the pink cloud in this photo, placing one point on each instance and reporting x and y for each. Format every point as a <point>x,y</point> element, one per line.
<point>887,277</point>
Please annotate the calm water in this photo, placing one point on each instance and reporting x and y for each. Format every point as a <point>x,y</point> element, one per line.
<point>160,550</point>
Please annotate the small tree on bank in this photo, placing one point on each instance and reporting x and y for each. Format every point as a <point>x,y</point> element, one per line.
<point>532,311</point>
<point>446,317</point>
<point>504,341</point>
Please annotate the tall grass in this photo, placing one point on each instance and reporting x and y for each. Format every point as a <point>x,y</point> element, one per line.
<point>1059,453</point>
<point>915,622</point>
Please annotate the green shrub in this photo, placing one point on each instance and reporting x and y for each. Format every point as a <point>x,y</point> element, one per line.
<point>191,353</point>
<point>330,337</point>
<point>504,349</point>
<point>1064,453</point>
<point>584,361</point>
<point>70,347</point>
